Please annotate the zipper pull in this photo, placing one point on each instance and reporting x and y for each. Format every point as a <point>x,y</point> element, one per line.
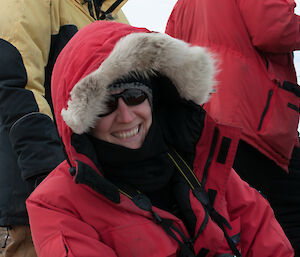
<point>156,217</point>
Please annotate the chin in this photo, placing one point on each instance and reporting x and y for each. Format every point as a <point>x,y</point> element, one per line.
<point>134,145</point>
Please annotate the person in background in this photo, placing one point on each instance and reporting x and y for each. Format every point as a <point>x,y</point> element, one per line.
<point>148,172</point>
<point>257,90</point>
<point>32,34</point>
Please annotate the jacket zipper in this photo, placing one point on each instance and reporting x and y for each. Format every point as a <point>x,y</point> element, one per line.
<point>266,109</point>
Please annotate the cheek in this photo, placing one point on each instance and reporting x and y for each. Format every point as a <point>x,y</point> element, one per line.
<point>102,128</point>
<point>149,119</point>
<point>147,113</point>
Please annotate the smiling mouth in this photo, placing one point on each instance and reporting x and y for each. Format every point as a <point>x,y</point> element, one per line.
<point>127,134</point>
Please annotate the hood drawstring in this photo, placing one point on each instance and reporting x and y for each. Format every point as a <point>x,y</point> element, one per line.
<point>90,6</point>
<point>108,12</point>
<point>101,15</point>
<point>97,5</point>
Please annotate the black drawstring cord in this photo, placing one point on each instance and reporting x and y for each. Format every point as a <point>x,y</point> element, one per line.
<point>90,6</point>
<point>107,13</point>
<point>97,5</point>
<point>187,246</point>
<point>101,15</point>
<point>6,238</point>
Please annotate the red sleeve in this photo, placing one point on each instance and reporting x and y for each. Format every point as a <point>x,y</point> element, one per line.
<point>261,234</point>
<point>58,233</point>
<point>272,24</point>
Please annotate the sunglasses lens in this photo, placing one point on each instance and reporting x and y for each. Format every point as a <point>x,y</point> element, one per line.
<point>134,97</point>
<point>111,105</point>
<point>130,96</point>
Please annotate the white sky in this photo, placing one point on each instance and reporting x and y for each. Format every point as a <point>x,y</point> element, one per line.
<point>151,14</point>
<point>154,15</point>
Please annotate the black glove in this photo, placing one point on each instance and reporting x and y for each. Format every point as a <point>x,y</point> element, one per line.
<point>34,181</point>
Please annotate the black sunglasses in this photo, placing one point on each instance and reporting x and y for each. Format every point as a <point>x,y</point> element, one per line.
<point>131,97</point>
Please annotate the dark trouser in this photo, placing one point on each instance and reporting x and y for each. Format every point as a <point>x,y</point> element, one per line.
<point>280,188</point>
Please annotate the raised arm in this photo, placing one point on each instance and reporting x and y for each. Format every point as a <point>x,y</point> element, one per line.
<point>272,24</point>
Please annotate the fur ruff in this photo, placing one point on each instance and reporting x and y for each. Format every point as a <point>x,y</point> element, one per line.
<point>190,68</point>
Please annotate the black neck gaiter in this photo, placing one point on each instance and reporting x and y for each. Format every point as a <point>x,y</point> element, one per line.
<point>147,169</point>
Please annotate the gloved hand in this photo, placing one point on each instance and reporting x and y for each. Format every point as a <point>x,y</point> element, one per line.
<point>34,181</point>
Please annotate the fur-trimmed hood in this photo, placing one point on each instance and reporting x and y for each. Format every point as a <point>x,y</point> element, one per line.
<point>103,52</point>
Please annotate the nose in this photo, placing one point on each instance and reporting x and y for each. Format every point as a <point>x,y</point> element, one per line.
<point>124,113</point>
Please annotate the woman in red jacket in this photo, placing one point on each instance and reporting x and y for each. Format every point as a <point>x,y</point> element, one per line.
<point>148,171</point>
<point>257,90</point>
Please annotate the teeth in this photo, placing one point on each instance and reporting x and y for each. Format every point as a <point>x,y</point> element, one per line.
<point>127,134</point>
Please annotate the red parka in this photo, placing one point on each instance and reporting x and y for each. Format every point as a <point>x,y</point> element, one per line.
<point>75,211</point>
<point>254,41</point>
